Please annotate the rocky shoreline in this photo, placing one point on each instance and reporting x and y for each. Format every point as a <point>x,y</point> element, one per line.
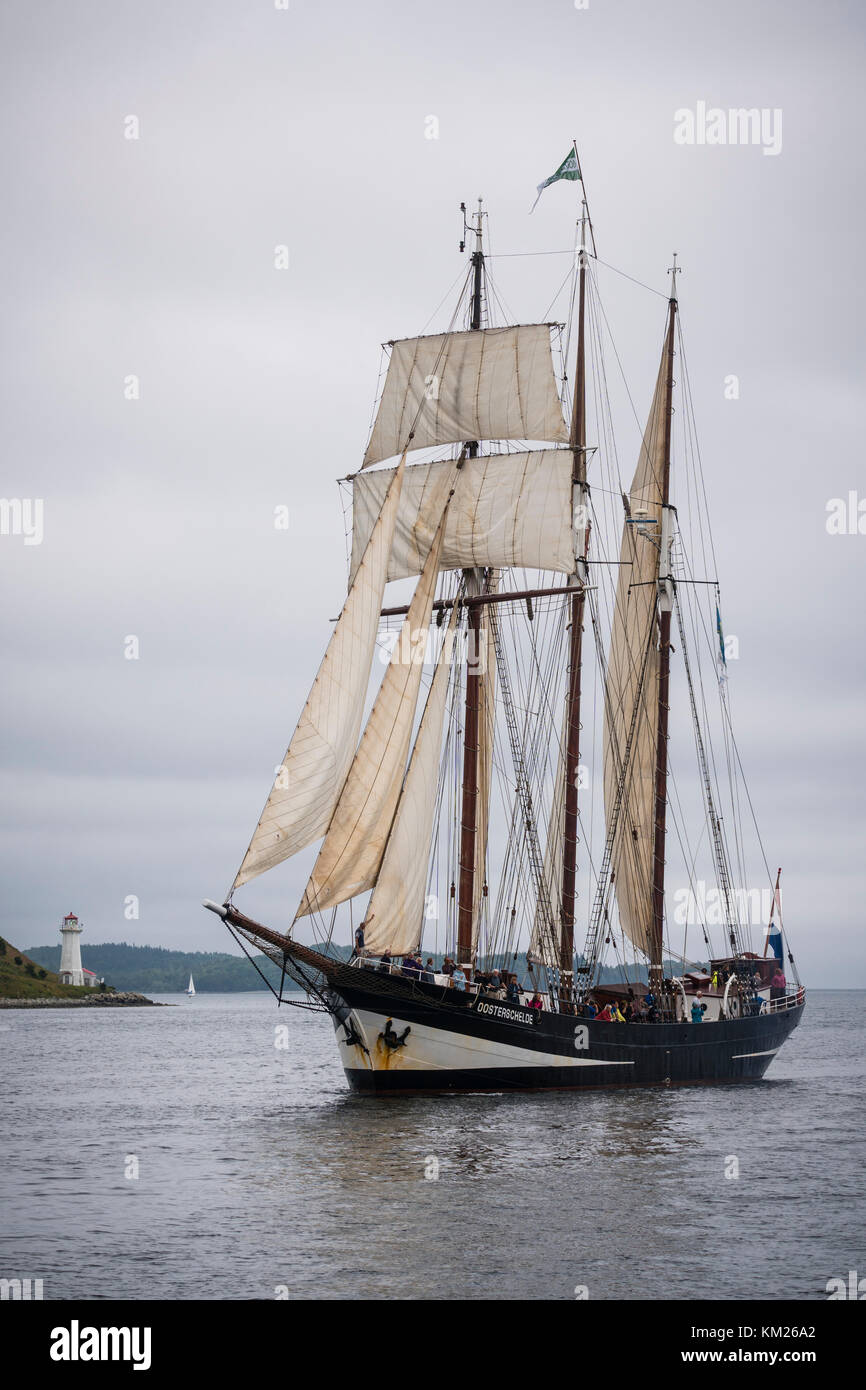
<point>96,1000</point>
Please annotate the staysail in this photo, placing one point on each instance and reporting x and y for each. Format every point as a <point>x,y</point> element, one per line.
<point>634,638</point>
<point>352,850</point>
<point>507,509</point>
<point>395,916</point>
<point>310,779</point>
<point>490,383</point>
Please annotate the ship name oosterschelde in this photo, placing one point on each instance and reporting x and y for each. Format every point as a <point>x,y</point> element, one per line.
<point>550,747</point>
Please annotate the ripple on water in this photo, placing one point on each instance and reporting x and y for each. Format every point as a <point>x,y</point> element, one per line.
<point>256,1168</point>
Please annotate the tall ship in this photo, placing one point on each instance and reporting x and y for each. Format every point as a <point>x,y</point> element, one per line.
<point>514,790</point>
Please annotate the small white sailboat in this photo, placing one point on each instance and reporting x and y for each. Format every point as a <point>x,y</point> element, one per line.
<point>190,989</point>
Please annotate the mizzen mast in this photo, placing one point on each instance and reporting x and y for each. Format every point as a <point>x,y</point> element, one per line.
<point>665,606</point>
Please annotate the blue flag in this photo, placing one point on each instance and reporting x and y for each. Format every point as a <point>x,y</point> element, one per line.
<point>774,938</point>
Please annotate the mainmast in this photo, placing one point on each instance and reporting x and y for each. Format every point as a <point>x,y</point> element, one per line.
<point>578,600</point>
<point>473,724</point>
<point>665,606</point>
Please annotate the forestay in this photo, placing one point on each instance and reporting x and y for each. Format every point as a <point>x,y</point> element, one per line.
<point>490,383</point>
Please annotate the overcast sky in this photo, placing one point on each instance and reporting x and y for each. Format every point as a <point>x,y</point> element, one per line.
<point>154,257</point>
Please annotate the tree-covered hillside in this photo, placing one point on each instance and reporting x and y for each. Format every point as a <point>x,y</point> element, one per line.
<point>156,970</point>
<point>22,976</point>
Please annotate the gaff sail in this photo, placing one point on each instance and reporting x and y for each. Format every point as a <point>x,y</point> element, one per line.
<point>632,680</point>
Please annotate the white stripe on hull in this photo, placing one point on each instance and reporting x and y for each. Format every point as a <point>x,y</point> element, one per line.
<point>770,1052</point>
<point>437,1049</point>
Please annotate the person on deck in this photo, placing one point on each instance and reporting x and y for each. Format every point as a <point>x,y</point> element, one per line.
<point>428,975</point>
<point>458,979</point>
<point>447,966</point>
<point>385,963</point>
<point>535,1001</point>
<point>591,1008</point>
<point>359,934</point>
<point>512,992</point>
<point>605,1015</point>
<point>778,984</point>
<point>494,983</point>
<point>697,1009</point>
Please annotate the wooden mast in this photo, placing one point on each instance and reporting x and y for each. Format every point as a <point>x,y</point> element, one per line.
<point>664,619</point>
<point>578,600</point>
<point>473,723</point>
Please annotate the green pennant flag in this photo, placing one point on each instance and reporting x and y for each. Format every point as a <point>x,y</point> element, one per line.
<point>568,169</point>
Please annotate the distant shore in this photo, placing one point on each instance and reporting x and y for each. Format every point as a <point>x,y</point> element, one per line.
<point>95,1001</point>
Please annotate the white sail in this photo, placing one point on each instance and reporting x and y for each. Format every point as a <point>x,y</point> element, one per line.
<point>352,851</point>
<point>190,989</point>
<point>395,916</point>
<point>310,779</point>
<point>507,509</point>
<point>633,632</point>
<point>490,383</point>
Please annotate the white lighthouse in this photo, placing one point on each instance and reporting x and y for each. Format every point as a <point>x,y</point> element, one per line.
<point>71,972</point>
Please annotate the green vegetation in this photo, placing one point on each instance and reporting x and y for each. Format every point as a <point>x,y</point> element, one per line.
<point>156,970</point>
<point>20,979</point>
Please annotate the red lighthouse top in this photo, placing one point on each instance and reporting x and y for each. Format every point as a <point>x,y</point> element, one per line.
<point>70,917</point>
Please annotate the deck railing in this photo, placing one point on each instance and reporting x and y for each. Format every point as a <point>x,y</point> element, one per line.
<point>789,1000</point>
<point>374,963</point>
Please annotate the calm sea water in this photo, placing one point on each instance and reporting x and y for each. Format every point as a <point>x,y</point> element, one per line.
<point>257,1169</point>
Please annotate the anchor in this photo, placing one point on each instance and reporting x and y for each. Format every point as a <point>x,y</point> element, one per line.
<point>392,1039</point>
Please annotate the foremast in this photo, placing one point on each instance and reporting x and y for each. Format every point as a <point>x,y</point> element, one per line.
<point>474,725</point>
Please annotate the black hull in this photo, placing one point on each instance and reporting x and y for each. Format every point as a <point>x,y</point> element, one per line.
<point>484,1045</point>
<point>397,1035</point>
